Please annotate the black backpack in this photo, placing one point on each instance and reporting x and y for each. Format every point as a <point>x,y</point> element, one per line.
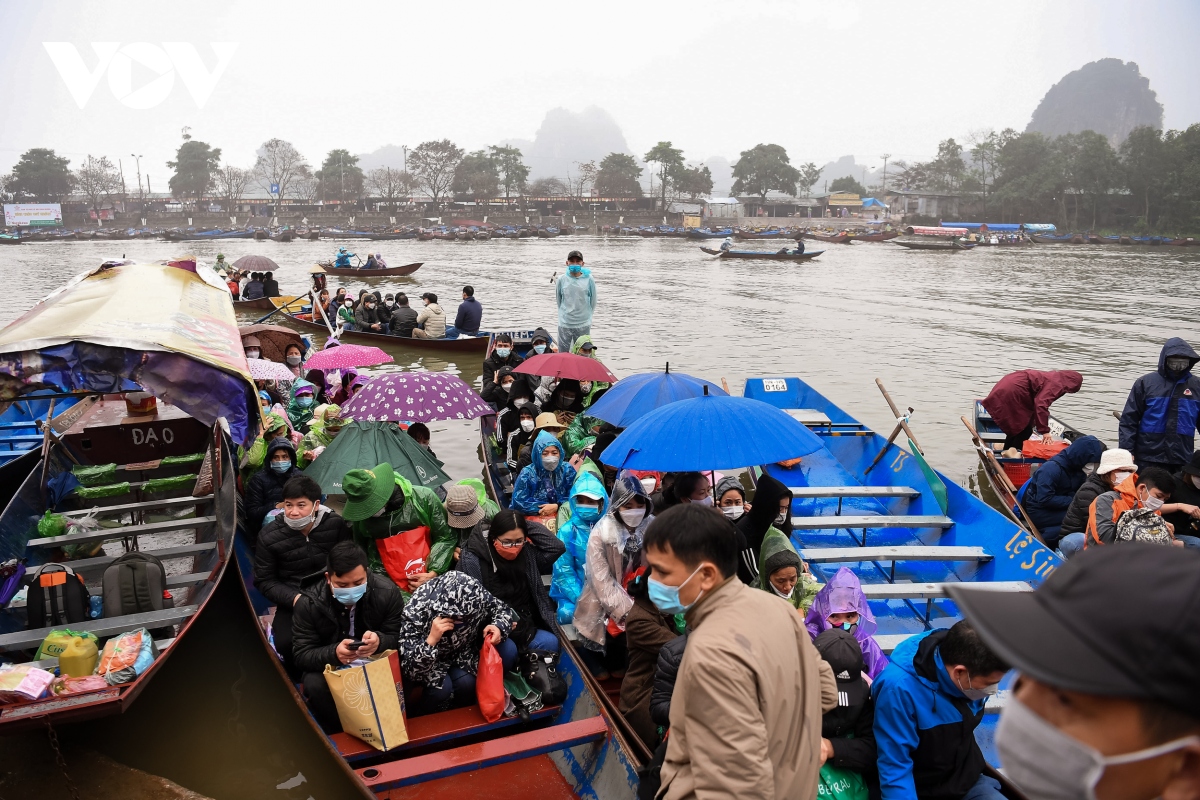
<point>539,668</point>
<point>57,596</point>
<point>133,584</point>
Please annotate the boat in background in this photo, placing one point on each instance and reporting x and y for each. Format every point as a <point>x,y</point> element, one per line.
<point>468,344</point>
<point>708,233</point>
<point>833,238</point>
<point>377,272</point>
<point>763,255</point>
<point>881,236</point>
<point>951,246</point>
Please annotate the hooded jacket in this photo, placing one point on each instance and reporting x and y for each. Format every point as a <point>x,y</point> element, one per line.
<point>1185,492</point>
<point>568,575</point>
<point>1048,494</point>
<point>257,454</point>
<point>1076,519</point>
<point>519,437</point>
<point>755,524</point>
<point>581,433</point>
<point>596,386</point>
<point>298,414</point>
<point>1021,399</point>
<point>777,552</point>
<point>286,560</point>
<point>576,298</point>
<point>265,489</point>
<point>611,552</point>
<point>421,506</point>
<point>320,622</point>
<point>535,486</point>
<point>844,593</point>
<point>556,402</point>
<point>434,320</point>
<point>1162,413</point>
<point>494,391</point>
<point>479,560</point>
<point>924,726</point>
<point>508,420</point>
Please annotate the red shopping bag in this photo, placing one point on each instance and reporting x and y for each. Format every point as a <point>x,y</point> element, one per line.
<point>404,554</point>
<point>489,683</point>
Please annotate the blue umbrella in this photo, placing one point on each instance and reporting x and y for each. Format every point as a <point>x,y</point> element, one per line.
<point>711,432</point>
<point>632,398</point>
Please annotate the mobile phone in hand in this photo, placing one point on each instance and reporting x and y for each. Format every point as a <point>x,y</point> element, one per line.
<point>354,645</point>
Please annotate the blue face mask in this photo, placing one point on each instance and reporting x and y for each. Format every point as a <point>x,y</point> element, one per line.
<point>281,466</point>
<point>539,348</point>
<point>575,270</point>
<point>304,401</point>
<point>666,598</point>
<point>350,595</point>
<point>588,513</point>
<point>503,352</point>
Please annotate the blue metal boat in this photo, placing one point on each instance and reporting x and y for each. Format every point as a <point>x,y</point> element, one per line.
<point>708,233</point>
<point>888,525</point>
<point>21,436</point>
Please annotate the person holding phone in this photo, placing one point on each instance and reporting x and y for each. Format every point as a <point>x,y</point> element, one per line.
<point>352,614</point>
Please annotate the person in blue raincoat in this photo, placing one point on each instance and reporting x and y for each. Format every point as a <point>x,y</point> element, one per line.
<point>1162,414</point>
<point>575,293</point>
<point>589,503</point>
<point>342,261</point>
<point>1048,494</point>
<point>545,483</point>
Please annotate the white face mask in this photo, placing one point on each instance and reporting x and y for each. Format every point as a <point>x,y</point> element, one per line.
<point>527,425</point>
<point>293,360</point>
<point>301,523</point>
<point>648,485</point>
<point>971,693</point>
<point>1153,503</point>
<point>1195,480</point>
<point>704,501</point>
<point>1048,764</point>
<point>1119,477</point>
<point>733,512</point>
<point>782,518</point>
<point>506,386</point>
<point>632,516</point>
<point>550,463</point>
<point>253,353</point>
<point>787,596</point>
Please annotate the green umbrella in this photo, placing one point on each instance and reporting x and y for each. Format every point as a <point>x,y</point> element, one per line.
<point>362,445</point>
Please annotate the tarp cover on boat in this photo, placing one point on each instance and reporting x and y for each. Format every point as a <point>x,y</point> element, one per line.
<point>1029,227</point>
<point>165,328</point>
<point>871,202</point>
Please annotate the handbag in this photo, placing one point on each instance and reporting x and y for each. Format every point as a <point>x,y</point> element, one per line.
<point>838,783</point>
<point>539,668</point>
<point>404,554</point>
<point>489,683</point>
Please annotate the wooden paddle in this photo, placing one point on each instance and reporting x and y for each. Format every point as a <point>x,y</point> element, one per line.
<point>993,466</point>
<point>282,307</point>
<point>901,425</point>
<point>46,449</point>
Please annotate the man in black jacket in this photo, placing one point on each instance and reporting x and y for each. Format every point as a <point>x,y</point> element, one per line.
<point>292,551</point>
<point>404,319</point>
<point>1187,492</point>
<point>351,605</point>
<point>265,489</point>
<point>502,355</point>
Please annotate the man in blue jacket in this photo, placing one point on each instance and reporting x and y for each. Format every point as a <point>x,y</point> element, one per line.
<point>469,317</point>
<point>928,702</point>
<point>1162,413</point>
<point>1048,494</point>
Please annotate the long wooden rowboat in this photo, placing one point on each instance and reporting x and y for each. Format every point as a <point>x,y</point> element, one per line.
<point>768,234</point>
<point>383,272</point>
<point>473,344</point>
<point>882,236</point>
<point>835,238</point>
<point>888,526</point>
<point>946,247</point>
<point>757,254</point>
<point>269,303</point>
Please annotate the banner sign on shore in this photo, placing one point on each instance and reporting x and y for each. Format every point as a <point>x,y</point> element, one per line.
<point>32,214</point>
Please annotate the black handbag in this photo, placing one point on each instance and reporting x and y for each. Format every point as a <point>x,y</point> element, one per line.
<point>539,668</point>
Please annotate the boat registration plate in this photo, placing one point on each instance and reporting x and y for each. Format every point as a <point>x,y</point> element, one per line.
<point>774,385</point>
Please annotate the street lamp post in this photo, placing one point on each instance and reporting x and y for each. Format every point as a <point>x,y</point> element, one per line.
<point>141,198</point>
<point>886,156</point>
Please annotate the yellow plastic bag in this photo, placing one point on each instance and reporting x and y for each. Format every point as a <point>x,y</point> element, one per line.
<point>369,702</point>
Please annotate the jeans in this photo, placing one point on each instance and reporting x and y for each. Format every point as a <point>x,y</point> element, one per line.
<point>567,336</point>
<point>1071,544</point>
<point>458,687</point>
<point>544,640</point>
<point>453,332</point>
<point>1189,541</point>
<point>984,789</point>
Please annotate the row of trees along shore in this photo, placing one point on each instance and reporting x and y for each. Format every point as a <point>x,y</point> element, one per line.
<point>1153,177</point>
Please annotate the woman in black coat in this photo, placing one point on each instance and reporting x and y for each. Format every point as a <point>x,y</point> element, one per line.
<point>768,511</point>
<point>265,489</point>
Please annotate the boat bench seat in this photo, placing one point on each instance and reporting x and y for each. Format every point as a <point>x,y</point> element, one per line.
<point>14,425</point>
<point>932,591</point>
<point>83,566</point>
<point>433,728</point>
<point>805,492</point>
<point>105,534</point>
<point>835,521</point>
<point>472,757</point>
<point>823,555</point>
<point>30,439</point>
<point>174,502</point>
<point>28,640</point>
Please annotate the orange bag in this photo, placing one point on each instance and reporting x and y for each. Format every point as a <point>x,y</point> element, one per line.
<point>404,554</point>
<point>489,683</point>
<point>1033,448</point>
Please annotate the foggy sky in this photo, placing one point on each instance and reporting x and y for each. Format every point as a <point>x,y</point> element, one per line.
<point>835,78</point>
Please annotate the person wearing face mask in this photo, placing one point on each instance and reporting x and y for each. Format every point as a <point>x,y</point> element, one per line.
<point>1105,706</point>
<point>565,401</point>
<point>542,342</point>
<point>300,409</point>
<point>351,605</point>
<point>588,502</point>
<point>771,511</point>
<point>1162,413</point>
<point>783,573</point>
<point>575,295</point>
<point>503,355</point>
<point>687,487</point>
<point>1115,466</point>
<point>521,438</point>
<point>1148,489</point>
<point>928,702</point>
<point>731,498</point>
<point>318,438</point>
<point>253,459</point>
<point>1047,495</point>
<point>431,320</point>
<point>384,312</point>
<point>746,710</point>
<point>1187,493</point>
<point>496,394</point>
<point>647,632</point>
<point>291,549</point>
<point>365,316</point>
<point>404,318</point>
<point>1020,402</point>
<point>252,346</point>
<point>264,491</point>
<point>293,356</point>
<point>842,604</point>
<point>591,390</point>
<point>345,314</point>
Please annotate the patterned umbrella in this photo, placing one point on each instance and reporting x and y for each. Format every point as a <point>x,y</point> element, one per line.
<point>347,356</point>
<point>263,370</point>
<point>415,397</point>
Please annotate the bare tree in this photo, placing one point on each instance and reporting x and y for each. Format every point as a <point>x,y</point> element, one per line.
<point>582,182</point>
<point>433,165</point>
<point>389,185</point>
<point>230,183</point>
<point>97,178</point>
<point>279,164</point>
<point>305,185</point>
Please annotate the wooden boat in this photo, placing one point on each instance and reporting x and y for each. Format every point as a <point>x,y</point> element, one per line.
<point>705,233</point>
<point>770,233</point>
<point>835,238</point>
<point>1051,238</point>
<point>8,238</point>
<point>761,255</point>
<point>888,526</point>
<point>384,272</point>
<point>919,230</point>
<point>948,246</point>
<point>285,235</point>
<point>881,236</point>
<point>268,303</point>
<point>170,487</point>
<point>474,344</point>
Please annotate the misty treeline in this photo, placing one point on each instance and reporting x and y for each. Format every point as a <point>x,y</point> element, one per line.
<point>1151,182</point>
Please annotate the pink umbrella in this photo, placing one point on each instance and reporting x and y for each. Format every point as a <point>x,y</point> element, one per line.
<point>567,365</point>
<point>263,370</point>
<point>415,397</point>
<point>347,356</point>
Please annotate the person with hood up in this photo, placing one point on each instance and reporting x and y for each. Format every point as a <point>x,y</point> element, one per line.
<point>252,460</point>
<point>503,355</point>
<point>1020,402</point>
<point>546,483</point>
<point>842,604</point>
<point>521,436</point>
<point>541,342</point>
<point>581,433</point>
<point>342,259</point>
<point>782,572</point>
<point>848,731</point>
<point>565,401</point>
<point>445,624</point>
<point>1047,495</point>
<point>431,320</point>
<point>508,559</point>
<point>519,393</point>
<point>771,510</point>
<point>647,631</point>
<point>588,502</point>
<point>928,703</point>
<point>381,503</point>
<point>575,295</point>
<point>591,390</point>
<point>496,392</point>
<point>265,490</point>
<point>320,437</point>
<point>1162,414</point>
<point>300,409</point>
<point>1187,493</point>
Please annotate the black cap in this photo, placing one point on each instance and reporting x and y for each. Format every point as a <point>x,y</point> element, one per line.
<point>574,254</point>
<point>1116,621</point>
<point>587,346</point>
<point>844,654</point>
<point>430,296</point>
<point>1193,468</point>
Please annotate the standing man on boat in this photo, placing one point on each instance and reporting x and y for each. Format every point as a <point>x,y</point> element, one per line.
<point>1162,414</point>
<point>1020,402</point>
<point>575,293</point>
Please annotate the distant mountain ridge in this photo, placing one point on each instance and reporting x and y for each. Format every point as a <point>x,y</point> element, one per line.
<point>1108,96</point>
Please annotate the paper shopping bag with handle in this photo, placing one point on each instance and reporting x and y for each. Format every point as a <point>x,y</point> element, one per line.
<point>369,700</point>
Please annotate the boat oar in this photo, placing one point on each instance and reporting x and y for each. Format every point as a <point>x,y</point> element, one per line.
<point>901,425</point>
<point>281,307</point>
<point>46,449</point>
<point>993,466</point>
<point>324,318</point>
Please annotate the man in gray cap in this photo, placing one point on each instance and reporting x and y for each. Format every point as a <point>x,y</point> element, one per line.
<point>1107,706</point>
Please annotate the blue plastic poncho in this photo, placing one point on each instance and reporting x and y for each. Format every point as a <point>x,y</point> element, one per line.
<point>568,580</point>
<point>535,486</point>
<point>576,300</point>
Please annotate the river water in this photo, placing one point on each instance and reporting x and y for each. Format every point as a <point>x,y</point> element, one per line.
<point>938,329</point>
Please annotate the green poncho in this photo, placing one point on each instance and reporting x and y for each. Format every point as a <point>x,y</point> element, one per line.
<point>421,507</point>
<point>777,552</point>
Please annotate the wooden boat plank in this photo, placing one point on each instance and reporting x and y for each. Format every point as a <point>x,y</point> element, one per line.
<point>111,626</point>
<point>932,591</point>
<point>833,522</point>
<point>854,491</point>
<point>818,555</point>
<point>105,534</point>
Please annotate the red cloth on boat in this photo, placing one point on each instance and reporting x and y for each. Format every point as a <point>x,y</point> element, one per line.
<point>1033,448</point>
<point>1023,398</point>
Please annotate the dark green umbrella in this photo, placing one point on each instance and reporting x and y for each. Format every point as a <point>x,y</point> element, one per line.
<point>362,445</point>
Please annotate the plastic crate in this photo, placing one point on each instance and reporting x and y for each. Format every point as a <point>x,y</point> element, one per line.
<point>1017,471</point>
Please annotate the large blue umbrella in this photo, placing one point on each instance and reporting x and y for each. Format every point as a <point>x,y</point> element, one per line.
<point>632,398</point>
<point>710,432</point>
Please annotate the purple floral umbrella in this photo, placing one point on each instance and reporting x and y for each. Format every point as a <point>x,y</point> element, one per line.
<point>415,397</point>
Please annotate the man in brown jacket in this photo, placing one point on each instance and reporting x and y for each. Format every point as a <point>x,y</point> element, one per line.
<point>746,711</point>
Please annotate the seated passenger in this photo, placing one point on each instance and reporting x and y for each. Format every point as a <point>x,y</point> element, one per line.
<point>542,342</point>
<point>351,605</point>
<point>582,432</point>
<point>509,559</point>
<point>404,318</point>
<point>647,630</point>
<point>320,437</point>
<point>265,490</point>
<point>1115,466</point>
<point>496,392</point>
<point>419,433</point>
<point>384,311</point>
<point>276,427</point>
<point>546,483</point>
<point>1047,495</point>
<point>254,288</point>
<point>252,346</point>
<point>848,731</point>
<point>502,355</point>
<point>523,435</point>
<point>445,624</point>
<point>292,548</point>
<point>464,515</point>
<point>1187,493</point>
<point>565,401</point>
<point>270,285</point>
<point>771,511</point>
<point>782,572</point>
<point>508,420</point>
<point>468,318</point>
<point>365,316</point>
<point>342,259</point>
<point>346,313</point>
<point>432,319</point>
<point>842,604</point>
<point>293,356</point>
<point>928,703</point>
<point>371,263</point>
<point>731,498</point>
<point>1110,519</point>
<point>300,409</point>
